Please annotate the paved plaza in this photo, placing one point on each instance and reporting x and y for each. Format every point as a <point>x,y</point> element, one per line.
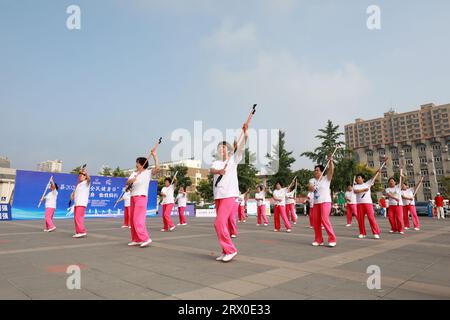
<point>181,264</point>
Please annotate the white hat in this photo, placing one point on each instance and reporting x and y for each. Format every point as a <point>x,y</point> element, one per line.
<point>438,194</point>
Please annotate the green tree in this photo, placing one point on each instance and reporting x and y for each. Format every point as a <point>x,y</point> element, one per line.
<point>445,190</point>
<point>330,137</point>
<point>303,177</point>
<point>106,171</point>
<point>182,177</point>
<point>247,172</point>
<point>205,189</point>
<point>119,173</point>
<point>76,170</point>
<point>279,167</point>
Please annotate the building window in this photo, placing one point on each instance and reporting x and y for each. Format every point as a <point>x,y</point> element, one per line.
<point>407,149</point>
<point>411,173</point>
<point>427,184</point>
<point>439,172</point>
<point>436,147</point>
<point>423,160</point>
<point>395,163</point>
<point>409,162</point>
<point>370,153</point>
<point>438,159</point>
<point>422,148</point>
<point>371,164</point>
<point>424,172</point>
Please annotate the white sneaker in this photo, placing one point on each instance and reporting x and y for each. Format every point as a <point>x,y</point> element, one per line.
<point>316,244</point>
<point>244,221</point>
<point>229,257</point>
<point>295,223</point>
<point>323,228</point>
<point>348,225</point>
<point>178,224</point>
<point>173,228</point>
<point>45,230</point>
<point>391,231</point>
<point>311,227</point>
<point>402,232</point>
<point>124,227</point>
<point>164,230</point>
<point>266,224</point>
<point>79,235</point>
<point>406,228</point>
<point>361,236</point>
<point>146,243</point>
<point>275,230</point>
<point>234,236</point>
<point>51,229</point>
<point>258,225</point>
<point>288,230</point>
<point>220,258</point>
<point>417,229</point>
<point>132,244</point>
<point>332,244</point>
<point>129,227</point>
<point>184,224</point>
<point>376,236</point>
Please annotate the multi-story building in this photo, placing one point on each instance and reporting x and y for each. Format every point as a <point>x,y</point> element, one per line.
<point>417,141</point>
<point>7,180</point>
<point>54,166</point>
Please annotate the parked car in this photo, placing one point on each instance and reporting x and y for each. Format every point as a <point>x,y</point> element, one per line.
<point>422,208</point>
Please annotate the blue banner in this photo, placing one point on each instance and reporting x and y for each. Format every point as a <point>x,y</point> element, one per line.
<point>5,212</point>
<point>105,191</point>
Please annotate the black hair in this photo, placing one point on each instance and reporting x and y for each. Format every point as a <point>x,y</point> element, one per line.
<point>259,186</point>
<point>391,178</point>
<point>168,179</point>
<point>142,161</point>
<point>361,175</point>
<point>321,167</point>
<point>224,143</point>
<point>56,186</point>
<point>281,183</point>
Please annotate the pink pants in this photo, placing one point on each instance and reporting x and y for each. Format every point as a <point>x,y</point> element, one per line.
<point>224,211</point>
<point>241,213</point>
<point>79,219</point>
<point>281,210</point>
<point>321,215</point>
<point>262,214</point>
<point>352,210</point>
<point>181,215</point>
<point>395,215</point>
<point>138,215</point>
<point>410,209</point>
<point>167,211</point>
<point>126,217</point>
<point>290,211</point>
<point>232,225</point>
<point>363,210</point>
<point>49,212</point>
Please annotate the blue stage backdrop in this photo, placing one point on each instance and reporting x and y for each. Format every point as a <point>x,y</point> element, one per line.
<point>104,193</point>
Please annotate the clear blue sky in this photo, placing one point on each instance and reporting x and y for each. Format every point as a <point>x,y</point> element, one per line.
<point>139,69</point>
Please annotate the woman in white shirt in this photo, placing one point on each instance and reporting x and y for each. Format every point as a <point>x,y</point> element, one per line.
<point>279,195</point>
<point>311,205</point>
<point>409,205</point>
<point>126,198</point>
<point>351,204</point>
<point>139,182</point>
<point>81,196</point>
<point>260,198</point>
<point>290,204</point>
<point>365,205</point>
<point>182,203</point>
<point>322,204</point>
<point>168,203</point>
<point>395,211</point>
<point>241,212</point>
<point>226,191</point>
<point>50,206</point>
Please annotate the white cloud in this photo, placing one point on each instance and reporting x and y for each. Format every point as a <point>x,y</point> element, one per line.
<point>231,38</point>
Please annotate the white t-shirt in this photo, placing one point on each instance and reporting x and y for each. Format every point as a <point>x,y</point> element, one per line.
<point>181,199</point>
<point>242,200</point>
<point>168,191</point>
<point>127,198</point>
<point>365,197</point>
<point>50,199</point>
<point>290,197</point>
<point>322,192</point>
<point>228,187</point>
<point>410,194</point>
<point>260,198</point>
<point>280,194</point>
<point>311,199</point>
<point>350,195</point>
<point>397,192</point>
<point>140,186</point>
<point>82,194</point>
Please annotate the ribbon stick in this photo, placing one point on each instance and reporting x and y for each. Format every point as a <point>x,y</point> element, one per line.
<point>328,163</point>
<point>130,186</point>
<point>379,170</point>
<point>45,191</point>
<point>418,186</point>
<point>249,119</point>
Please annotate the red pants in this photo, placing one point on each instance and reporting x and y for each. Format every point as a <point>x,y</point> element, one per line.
<point>167,220</point>
<point>49,212</point>
<point>363,210</point>
<point>138,216</point>
<point>262,214</point>
<point>79,220</point>
<point>321,217</point>
<point>290,211</point>
<point>410,209</point>
<point>126,217</point>
<point>281,210</point>
<point>232,225</point>
<point>352,210</point>
<point>395,215</point>
<point>224,210</point>
<point>181,215</point>
<point>241,213</point>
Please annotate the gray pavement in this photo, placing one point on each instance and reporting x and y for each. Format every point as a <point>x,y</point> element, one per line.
<point>181,264</point>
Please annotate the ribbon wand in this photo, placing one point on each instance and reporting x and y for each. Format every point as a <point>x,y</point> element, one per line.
<point>418,186</point>
<point>249,119</point>
<point>328,163</point>
<point>379,170</point>
<point>130,186</point>
<point>45,191</point>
